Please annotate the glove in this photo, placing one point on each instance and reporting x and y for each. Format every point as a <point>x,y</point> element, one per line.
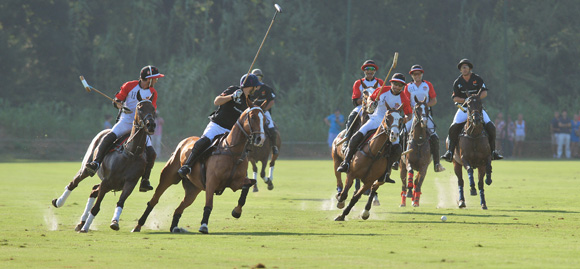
<point>372,106</point>
<point>236,96</point>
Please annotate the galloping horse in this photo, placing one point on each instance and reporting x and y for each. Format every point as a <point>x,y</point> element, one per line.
<point>120,170</point>
<point>261,154</point>
<point>226,166</point>
<point>370,162</point>
<point>473,151</point>
<point>419,155</point>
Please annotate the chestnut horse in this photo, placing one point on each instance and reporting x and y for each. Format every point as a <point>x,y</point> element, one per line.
<point>120,170</point>
<point>473,151</point>
<point>226,166</point>
<point>418,156</point>
<point>261,154</point>
<point>370,162</point>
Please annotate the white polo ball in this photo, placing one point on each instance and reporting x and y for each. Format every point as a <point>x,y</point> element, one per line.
<point>443,218</point>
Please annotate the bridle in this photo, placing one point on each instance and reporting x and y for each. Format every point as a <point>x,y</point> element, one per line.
<point>140,124</point>
<point>252,134</point>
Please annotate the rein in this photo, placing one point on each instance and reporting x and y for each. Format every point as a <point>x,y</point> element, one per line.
<point>139,126</point>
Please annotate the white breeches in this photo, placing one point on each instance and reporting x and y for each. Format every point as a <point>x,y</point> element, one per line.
<point>124,127</point>
<point>461,117</point>
<point>430,125</point>
<point>373,123</point>
<point>269,120</point>
<point>213,129</point>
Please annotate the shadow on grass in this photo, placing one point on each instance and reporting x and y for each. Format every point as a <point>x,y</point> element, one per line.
<point>195,232</point>
<point>539,211</point>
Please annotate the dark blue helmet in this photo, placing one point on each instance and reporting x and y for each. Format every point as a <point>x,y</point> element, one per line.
<point>252,81</point>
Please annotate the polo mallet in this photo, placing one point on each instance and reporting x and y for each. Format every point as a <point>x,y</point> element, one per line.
<point>90,88</point>
<point>395,58</point>
<point>278,10</point>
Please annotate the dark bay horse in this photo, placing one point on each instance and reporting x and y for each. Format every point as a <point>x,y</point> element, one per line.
<point>473,151</point>
<point>370,162</point>
<point>226,166</point>
<point>262,154</point>
<point>418,156</point>
<point>120,170</point>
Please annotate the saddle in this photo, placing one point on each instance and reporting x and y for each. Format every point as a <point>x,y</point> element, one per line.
<point>119,144</point>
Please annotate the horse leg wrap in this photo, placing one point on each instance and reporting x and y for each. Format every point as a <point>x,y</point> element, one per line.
<point>174,222</point>
<point>90,203</point>
<point>60,201</point>
<point>206,213</point>
<point>145,214</point>
<point>242,200</point>
<point>410,180</point>
<point>117,215</point>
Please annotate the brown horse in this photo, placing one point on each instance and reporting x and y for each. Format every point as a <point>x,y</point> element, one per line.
<point>370,162</point>
<point>226,166</point>
<point>120,170</point>
<point>418,156</point>
<point>262,154</point>
<point>473,151</point>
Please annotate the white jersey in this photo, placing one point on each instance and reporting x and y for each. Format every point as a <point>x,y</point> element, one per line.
<point>424,90</point>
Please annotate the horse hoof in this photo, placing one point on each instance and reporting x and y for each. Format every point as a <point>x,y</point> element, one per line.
<point>136,229</point>
<point>376,203</point>
<point>410,194</point>
<point>339,218</point>
<point>236,214</point>
<point>484,207</point>
<point>402,205</point>
<point>473,192</point>
<point>203,229</point>
<point>177,230</point>
<point>270,185</point>
<point>255,189</point>
<point>415,204</point>
<point>462,204</point>
<point>488,181</point>
<point>340,205</point>
<point>114,225</point>
<point>365,215</point>
<point>54,202</point>
<point>83,231</point>
<point>79,226</point>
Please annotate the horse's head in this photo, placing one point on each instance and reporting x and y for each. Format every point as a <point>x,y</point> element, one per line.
<point>420,112</point>
<point>474,109</point>
<point>393,120</point>
<point>253,125</point>
<point>145,116</point>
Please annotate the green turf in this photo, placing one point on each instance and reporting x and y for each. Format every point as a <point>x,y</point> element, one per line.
<point>533,221</point>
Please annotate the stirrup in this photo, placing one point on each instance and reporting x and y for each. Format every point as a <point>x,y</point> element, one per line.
<point>92,168</point>
<point>395,166</point>
<point>496,156</point>
<point>184,171</point>
<point>343,168</point>
<point>448,156</point>
<point>145,185</point>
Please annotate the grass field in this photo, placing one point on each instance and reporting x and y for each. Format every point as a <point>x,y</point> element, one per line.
<point>533,221</point>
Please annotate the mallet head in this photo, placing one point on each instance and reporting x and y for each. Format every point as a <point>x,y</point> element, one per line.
<point>278,8</point>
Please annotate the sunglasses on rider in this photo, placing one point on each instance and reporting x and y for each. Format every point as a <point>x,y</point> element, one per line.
<point>370,68</point>
<point>399,84</point>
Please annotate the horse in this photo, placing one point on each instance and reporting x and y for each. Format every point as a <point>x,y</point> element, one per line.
<point>120,170</point>
<point>370,162</point>
<point>226,166</point>
<point>473,151</point>
<point>418,156</point>
<point>261,154</point>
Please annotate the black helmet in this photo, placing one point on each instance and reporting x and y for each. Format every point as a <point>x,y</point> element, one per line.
<point>398,77</point>
<point>150,72</point>
<point>252,81</point>
<point>465,61</point>
<point>369,63</point>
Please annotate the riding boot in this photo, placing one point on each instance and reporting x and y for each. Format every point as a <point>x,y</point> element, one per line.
<point>273,136</point>
<point>349,123</point>
<point>200,146</point>
<point>102,150</point>
<point>490,129</point>
<point>454,131</point>
<point>150,158</point>
<point>353,144</point>
<point>395,154</point>
<point>434,146</point>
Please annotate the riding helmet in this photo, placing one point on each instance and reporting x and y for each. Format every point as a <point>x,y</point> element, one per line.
<point>416,68</point>
<point>252,81</point>
<point>398,77</point>
<point>464,61</point>
<point>257,72</point>
<point>369,63</point>
<point>150,72</point>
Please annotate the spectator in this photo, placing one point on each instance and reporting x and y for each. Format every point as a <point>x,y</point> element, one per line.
<point>335,123</point>
<point>156,138</point>
<point>554,129</point>
<point>520,135</point>
<point>563,135</point>
<point>575,136</point>
<point>501,131</point>
<point>510,136</point>
<point>107,124</point>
